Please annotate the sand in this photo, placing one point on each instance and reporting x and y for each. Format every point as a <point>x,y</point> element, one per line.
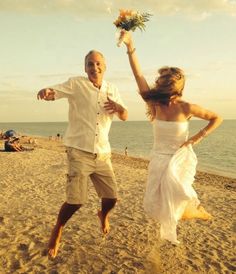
<point>32,191</point>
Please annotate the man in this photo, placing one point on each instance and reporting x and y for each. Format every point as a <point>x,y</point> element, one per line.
<point>92,103</point>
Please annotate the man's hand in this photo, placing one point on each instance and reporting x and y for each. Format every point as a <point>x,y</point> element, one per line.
<point>113,107</point>
<point>46,94</point>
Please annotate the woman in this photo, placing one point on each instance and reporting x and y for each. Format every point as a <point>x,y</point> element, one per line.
<point>169,194</point>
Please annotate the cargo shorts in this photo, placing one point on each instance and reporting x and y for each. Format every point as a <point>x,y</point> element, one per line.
<point>83,165</point>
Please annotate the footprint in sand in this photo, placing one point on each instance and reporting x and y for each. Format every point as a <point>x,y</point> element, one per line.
<point>23,247</point>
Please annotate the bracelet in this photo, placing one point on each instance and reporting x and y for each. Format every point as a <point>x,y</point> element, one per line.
<point>203,133</point>
<point>131,52</point>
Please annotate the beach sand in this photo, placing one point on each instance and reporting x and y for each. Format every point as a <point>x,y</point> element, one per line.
<point>32,191</point>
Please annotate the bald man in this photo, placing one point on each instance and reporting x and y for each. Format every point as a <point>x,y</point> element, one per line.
<point>92,105</point>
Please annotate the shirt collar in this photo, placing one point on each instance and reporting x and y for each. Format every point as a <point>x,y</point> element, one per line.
<point>103,88</point>
<point>104,85</point>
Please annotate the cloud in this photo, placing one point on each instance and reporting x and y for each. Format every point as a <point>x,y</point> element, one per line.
<point>28,83</point>
<point>16,95</point>
<point>99,8</point>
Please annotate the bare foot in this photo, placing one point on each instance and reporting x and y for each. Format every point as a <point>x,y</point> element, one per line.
<point>105,226</point>
<point>203,214</point>
<point>54,242</point>
<point>199,213</point>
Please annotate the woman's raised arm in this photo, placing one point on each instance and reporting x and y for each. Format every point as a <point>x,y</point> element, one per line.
<point>133,60</point>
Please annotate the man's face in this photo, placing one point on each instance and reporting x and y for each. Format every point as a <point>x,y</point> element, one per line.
<point>95,67</point>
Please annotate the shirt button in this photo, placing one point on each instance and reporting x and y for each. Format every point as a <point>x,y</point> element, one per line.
<point>97,123</point>
<point>98,113</point>
<point>96,135</point>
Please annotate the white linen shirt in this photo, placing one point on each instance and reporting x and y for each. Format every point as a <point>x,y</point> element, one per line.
<point>89,123</point>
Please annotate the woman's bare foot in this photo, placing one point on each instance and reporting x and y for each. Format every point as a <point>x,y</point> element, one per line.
<point>196,213</point>
<point>105,226</point>
<point>203,214</point>
<point>54,242</point>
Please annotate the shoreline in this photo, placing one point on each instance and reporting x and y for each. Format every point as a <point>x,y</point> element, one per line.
<point>145,155</point>
<point>58,145</point>
<point>199,169</point>
<point>33,188</point>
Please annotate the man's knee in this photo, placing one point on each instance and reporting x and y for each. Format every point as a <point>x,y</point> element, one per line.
<point>109,202</point>
<point>74,206</point>
<point>66,212</point>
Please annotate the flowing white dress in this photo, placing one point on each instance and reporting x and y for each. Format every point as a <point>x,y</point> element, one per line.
<point>171,173</point>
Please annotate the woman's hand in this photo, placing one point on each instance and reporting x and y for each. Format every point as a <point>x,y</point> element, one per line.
<point>126,38</point>
<point>193,140</point>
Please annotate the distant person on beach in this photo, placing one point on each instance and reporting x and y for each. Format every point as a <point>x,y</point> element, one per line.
<point>12,145</point>
<point>126,151</point>
<point>12,142</point>
<point>58,136</point>
<point>169,194</point>
<point>32,141</point>
<point>92,103</point>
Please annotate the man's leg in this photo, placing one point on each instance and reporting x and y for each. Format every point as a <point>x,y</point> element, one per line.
<point>65,213</point>
<point>107,206</point>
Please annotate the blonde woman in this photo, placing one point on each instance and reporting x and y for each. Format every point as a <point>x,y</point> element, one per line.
<point>169,194</point>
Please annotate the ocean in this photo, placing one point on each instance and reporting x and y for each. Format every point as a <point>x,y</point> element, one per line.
<point>216,153</point>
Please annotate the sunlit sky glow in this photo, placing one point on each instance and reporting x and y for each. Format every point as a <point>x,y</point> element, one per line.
<point>44,43</point>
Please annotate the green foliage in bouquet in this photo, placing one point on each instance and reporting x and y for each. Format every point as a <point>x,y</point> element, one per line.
<point>130,20</point>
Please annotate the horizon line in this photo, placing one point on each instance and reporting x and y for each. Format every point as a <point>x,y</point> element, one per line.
<point>227,119</point>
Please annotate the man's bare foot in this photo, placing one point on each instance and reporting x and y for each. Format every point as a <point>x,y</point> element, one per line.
<point>54,242</point>
<point>196,213</point>
<point>105,226</point>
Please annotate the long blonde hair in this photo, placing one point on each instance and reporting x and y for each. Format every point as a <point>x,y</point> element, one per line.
<point>169,85</point>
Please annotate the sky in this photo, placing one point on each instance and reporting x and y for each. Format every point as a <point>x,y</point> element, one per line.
<point>44,43</point>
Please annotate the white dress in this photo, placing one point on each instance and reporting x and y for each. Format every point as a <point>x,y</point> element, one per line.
<point>171,173</point>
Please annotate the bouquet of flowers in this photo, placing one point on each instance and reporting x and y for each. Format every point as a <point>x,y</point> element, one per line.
<point>130,20</point>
